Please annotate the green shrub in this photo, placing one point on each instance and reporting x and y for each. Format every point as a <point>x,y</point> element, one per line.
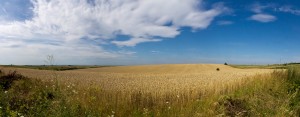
<point>6,80</point>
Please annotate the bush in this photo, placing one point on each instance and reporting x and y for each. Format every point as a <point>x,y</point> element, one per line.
<point>6,80</point>
<point>225,63</point>
<point>22,96</point>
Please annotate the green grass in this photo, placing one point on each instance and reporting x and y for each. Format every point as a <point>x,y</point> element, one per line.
<point>275,96</point>
<point>54,67</point>
<point>266,95</point>
<point>259,66</point>
<point>272,66</point>
<point>293,79</point>
<point>262,97</point>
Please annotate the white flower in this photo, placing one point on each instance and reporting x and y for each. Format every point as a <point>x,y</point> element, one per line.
<point>74,91</point>
<point>0,107</point>
<point>5,91</point>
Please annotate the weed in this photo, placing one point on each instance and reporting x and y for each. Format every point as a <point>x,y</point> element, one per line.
<point>234,107</point>
<point>6,80</point>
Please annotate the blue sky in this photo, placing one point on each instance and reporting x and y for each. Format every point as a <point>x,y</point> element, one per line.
<point>131,32</point>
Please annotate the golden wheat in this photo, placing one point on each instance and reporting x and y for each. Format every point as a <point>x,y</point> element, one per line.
<point>152,88</point>
<point>151,78</point>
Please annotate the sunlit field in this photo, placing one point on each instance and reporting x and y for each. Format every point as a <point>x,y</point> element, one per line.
<point>156,79</point>
<point>149,90</point>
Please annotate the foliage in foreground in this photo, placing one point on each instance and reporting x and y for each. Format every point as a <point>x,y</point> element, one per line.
<point>272,66</point>
<point>293,80</point>
<point>273,95</point>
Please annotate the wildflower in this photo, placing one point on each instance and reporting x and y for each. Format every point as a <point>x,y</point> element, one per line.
<point>0,107</point>
<point>5,91</point>
<point>20,115</point>
<point>145,111</point>
<point>169,107</point>
<point>167,102</point>
<point>74,91</point>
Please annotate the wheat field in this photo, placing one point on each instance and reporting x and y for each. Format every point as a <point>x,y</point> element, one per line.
<point>149,78</point>
<point>148,90</point>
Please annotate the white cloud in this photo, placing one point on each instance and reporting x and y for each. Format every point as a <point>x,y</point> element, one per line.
<point>134,41</point>
<point>289,9</point>
<point>154,51</point>
<point>263,18</point>
<point>258,8</point>
<point>19,52</point>
<point>260,14</point>
<point>74,19</point>
<point>68,22</point>
<point>224,22</point>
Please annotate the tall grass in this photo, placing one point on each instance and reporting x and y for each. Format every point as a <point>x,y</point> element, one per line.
<point>293,79</point>
<point>265,96</point>
<point>275,94</point>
